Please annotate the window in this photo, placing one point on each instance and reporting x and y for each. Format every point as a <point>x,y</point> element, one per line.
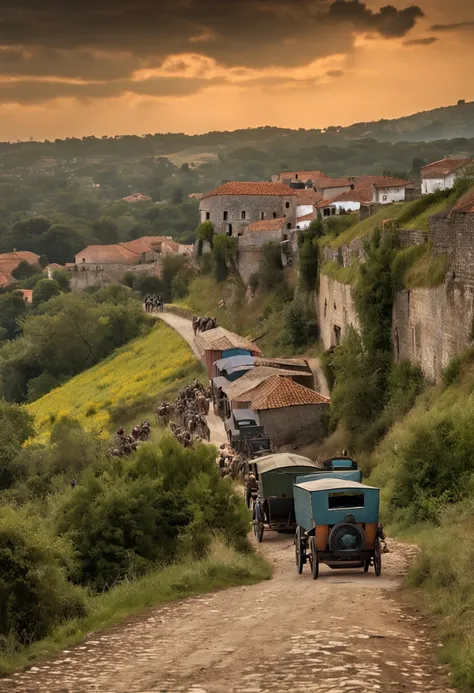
<point>333,210</point>
<point>83,259</point>
<point>326,212</point>
<point>225,216</point>
<point>229,230</point>
<point>345,499</point>
<point>296,176</point>
<point>274,215</point>
<point>262,215</point>
<point>287,205</point>
<point>337,335</point>
<point>325,307</point>
<point>243,216</point>
<point>208,216</point>
<point>285,236</point>
<point>288,226</point>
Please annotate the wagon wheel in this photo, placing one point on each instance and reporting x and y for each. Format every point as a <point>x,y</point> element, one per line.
<point>314,560</point>
<point>299,551</point>
<point>377,557</point>
<point>258,526</point>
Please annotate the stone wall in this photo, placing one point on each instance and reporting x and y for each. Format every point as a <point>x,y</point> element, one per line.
<point>295,426</point>
<point>336,310</point>
<point>254,206</point>
<point>432,326</point>
<point>411,237</point>
<point>454,235</point>
<point>345,255</point>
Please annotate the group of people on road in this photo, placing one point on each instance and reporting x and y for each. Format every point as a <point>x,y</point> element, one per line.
<point>186,416</point>
<point>153,302</point>
<point>126,444</point>
<point>231,466</point>
<point>204,324</point>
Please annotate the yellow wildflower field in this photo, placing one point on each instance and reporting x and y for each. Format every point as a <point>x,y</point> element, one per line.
<point>130,380</point>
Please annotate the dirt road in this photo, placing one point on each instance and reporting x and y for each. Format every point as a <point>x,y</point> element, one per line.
<point>347,632</point>
<point>344,633</point>
<point>184,327</point>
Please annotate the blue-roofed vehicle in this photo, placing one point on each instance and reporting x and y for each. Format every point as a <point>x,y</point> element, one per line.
<point>241,423</point>
<point>274,508</point>
<point>342,462</point>
<point>233,367</point>
<point>337,524</point>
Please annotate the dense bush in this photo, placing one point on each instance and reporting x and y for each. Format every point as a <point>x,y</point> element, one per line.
<point>17,426</point>
<point>35,594</point>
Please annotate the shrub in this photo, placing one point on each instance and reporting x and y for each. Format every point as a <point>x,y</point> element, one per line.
<point>34,592</point>
<point>17,426</point>
<point>295,331</point>
<point>44,290</point>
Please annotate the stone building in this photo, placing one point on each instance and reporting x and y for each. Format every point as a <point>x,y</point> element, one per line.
<point>290,414</point>
<point>232,207</point>
<point>306,177</point>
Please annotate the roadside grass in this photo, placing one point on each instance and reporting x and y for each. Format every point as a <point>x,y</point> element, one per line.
<point>224,567</point>
<point>364,228</point>
<point>122,386</point>
<point>344,275</point>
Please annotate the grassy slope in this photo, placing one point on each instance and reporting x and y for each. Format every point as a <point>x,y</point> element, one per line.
<point>224,567</point>
<point>444,569</point>
<point>126,383</point>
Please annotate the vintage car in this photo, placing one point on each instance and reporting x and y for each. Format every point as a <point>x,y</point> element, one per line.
<point>256,446</point>
<point>274,506</point>
<point>241,423</point>
<point>337,524</point>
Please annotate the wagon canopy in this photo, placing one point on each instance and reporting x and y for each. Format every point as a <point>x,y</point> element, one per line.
<point>283,460</point>
<point>333,484</point>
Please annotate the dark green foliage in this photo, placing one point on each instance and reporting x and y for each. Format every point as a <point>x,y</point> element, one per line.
<point>41,385</point>
<point>16,426</point>
<point>24,270</point>
<point>68,333</point>
<point>403,260</point>
<point>34,592</point>
<point>309,263</point>
<point>44,290</point>
<point>205,233</point>
<point>337,224</point>
<point>271,274</point>
<point>43,261</point>
<point>63,278</point>
<point>172,265</point>
<point>12,308</point>
<point>295,329</point>
<point>105,230</point>
<point>224,253</point>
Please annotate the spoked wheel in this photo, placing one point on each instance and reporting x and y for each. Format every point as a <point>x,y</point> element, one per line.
<point>314,560</point>
<point>377,557</point>
<point>299,552</point>
<point>258,526</point>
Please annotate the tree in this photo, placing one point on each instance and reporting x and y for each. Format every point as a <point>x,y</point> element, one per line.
<point>12,308</point>
<point>17,426</point>
<point>309,263</point>
<point>224,250</point>
<point>24,270</point>
<point>43,261</point>
<point>106,230</point>
<point>295,328</point>
<point>63,278</point>
<point>205,232</point>
<point>44,290</point>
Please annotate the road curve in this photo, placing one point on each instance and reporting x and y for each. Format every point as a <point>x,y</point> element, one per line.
<point>347,632</point>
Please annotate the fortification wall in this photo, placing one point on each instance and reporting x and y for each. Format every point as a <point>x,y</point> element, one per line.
<point>432,326</point>
<point>336,310</point>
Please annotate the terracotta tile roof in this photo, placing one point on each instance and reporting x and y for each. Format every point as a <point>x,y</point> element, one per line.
<point>325,203</point>
<point>278,392</point>
<point>235,391</point>
<point>325,183</point>
<point>267,225</point>
<point>388,182</point>
<point>465,204</point>
<point>5,279</point>
<point>107,254</point>
<point>305,217</point>
<point>308,197</point>
<point>363,195</point>
<point>221,339</point>
<point>10,261</point>
<point>443,167</point>
<point>267,189</point>
<point>170,246</point>
<point>278,363</point>
<point>27,294</point>
<point>137,197</point>
<point>137,246</point>
<point>153,241</point>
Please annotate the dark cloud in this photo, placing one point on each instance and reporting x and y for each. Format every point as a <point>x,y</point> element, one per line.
<point>453,27</point>
<point>40,91</point>
<point>108,40</point>
<point>421,42</point>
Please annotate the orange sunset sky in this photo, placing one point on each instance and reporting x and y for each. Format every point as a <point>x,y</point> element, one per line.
<point>70,68</point>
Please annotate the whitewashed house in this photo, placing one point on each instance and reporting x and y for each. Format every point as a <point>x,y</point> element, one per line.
<point>386,190</point>
<point>441,175</point>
